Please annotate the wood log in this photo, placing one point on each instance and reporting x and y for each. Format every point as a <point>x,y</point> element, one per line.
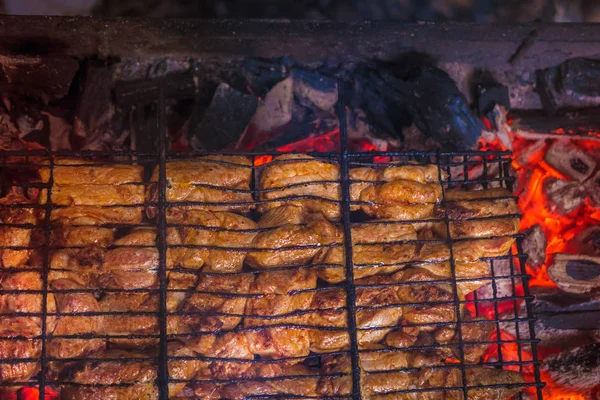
<point>575,273</point>
<point>570,160</point>
<point>564,197</point>
<point>557,309</point>
<point>577,368</point>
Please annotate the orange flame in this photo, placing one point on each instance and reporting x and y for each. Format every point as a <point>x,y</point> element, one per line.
<point>532,171</point>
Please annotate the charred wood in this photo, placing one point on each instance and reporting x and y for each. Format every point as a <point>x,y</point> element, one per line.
<point>558,309</point>
<point>572,84</point>
<point>534,245</point>
<point>577,368</point>
<point>575,273</point>
<point>224,120</point>
<point>564,197</point>
<point>570,160</point>
<point>537,125</point>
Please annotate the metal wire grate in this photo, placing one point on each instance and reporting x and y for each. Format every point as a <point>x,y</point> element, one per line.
<point>17,167</point>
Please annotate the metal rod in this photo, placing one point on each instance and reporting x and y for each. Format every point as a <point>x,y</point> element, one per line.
<point>163,370</point>
<point>45,271</point>
<point>350,289</point>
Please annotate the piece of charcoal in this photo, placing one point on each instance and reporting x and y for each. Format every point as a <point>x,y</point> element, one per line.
<point>534,245</point>
<point>262,75</point>
<point>225,119</point>
<point>573,84</point>
<point>564,197</point>
<point>570,160</point>
<point>95,107</point>
<point>314,90</point>
<point>490,95</point>
<point>435,104</point>
<point>592,186</point>
<point>46,77</point>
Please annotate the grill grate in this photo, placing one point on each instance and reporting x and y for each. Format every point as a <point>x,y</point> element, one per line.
<point>446,162</point>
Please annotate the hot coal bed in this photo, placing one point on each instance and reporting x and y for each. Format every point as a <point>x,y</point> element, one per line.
<point>262,89</point>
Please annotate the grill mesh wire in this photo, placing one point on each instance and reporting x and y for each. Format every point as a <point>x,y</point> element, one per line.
<point>24,162</point>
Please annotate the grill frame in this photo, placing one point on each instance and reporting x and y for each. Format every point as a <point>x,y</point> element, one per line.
<point>345,159</point>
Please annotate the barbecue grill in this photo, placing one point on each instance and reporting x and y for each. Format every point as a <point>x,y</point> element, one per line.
<point>157,95</point>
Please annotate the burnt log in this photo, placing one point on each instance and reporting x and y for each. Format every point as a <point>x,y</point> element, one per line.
<point>577,368</point>
<point>224,120</point>
<point>570,160</point>
<point>95,107</point>
<point>560,310</point>
<point>564,197</point>
<point>537,125</point>
<point>534,245</point>
<point>428,97</point>
<point>575,273</point>
<point>572,84</point>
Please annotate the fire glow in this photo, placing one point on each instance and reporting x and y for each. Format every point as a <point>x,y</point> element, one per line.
<point>532,171</point>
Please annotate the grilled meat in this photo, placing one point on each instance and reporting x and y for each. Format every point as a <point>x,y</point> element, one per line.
<point>306,240</point>
<point>73,302</point>
<point>284,215</point>
<point>496,207</point>
<point>92,193</point>
<point>360,179</point>
<point>378,302</point>
<point>15,236</point>
<point>230,345</point>
<point>218,183</point>
<point>218,229</point>
<point>378,248</point>
<point>401,200</point>
<point>214,295</point>
<point>19,331</point>
<point>275,287</point>
<point>135,379</point>
<point>296,385</point>
<point>81,236</point>
<point>427,294</point>
<point>303,181</point>
<point>378,384</point>
<point>145,322</point>
<point>68,171</point>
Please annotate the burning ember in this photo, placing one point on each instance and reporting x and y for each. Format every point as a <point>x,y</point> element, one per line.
<point>558,197</point>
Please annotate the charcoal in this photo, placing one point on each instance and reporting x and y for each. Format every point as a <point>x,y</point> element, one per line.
<point>46,78</point>
<point>576,273</point>
<point>95,108</point>
<point>577,368</point>
<point>491,95</point>
<point>262,75</point>
<point>573,84</point>
<point>564,197</point>
<point>434,103</point>
<point>314,90</point>
<point>534,245</point>
<point>570,160</point>
<point>592,186</point>
<point>225,119</point>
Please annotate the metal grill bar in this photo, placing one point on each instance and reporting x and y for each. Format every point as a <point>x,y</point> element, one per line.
<point>163,368</point>
<point>46,268</point>
<point>350,288</point>
<point>449,242</point>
